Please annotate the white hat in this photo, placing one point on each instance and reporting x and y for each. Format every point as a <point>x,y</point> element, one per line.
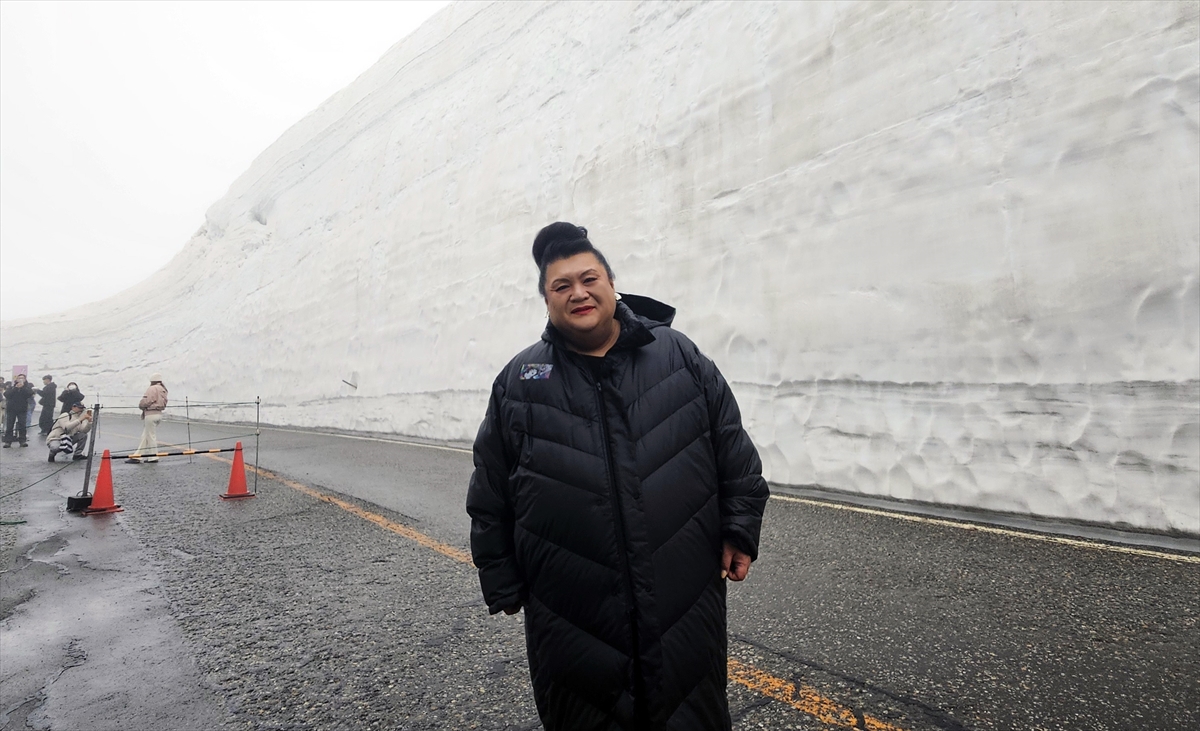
<point>155,377</point>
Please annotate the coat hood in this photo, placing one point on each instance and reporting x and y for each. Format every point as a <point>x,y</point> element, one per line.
<point>649,308</point>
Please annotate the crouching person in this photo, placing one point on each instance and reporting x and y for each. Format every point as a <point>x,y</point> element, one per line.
<point>70,432</point>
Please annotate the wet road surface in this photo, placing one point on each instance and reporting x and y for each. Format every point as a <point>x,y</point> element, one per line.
<point>340,598</point>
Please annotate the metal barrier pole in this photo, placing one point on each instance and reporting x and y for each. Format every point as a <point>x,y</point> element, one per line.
<point>187,414</point>
<point>87,472</point>
<point>257,430</point>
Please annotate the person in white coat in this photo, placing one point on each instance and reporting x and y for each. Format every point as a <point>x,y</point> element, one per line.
<point>70,432</point>
<point>153,403</point>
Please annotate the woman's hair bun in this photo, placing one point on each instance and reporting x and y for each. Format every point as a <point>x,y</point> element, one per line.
<point>560,231</point>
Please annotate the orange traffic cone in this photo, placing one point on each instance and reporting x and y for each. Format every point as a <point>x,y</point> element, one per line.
<point>237,477</point>
<point>102,496</point>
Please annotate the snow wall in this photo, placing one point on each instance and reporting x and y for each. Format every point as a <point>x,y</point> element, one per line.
<point>944,252</point>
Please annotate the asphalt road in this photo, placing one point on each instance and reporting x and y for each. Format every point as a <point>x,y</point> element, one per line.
<point>339,598</point>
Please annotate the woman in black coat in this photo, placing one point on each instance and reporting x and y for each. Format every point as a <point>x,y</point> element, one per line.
<point>48,391</point>
<point>17,398</point>
<point>70,396</point>
<point>614,492</point>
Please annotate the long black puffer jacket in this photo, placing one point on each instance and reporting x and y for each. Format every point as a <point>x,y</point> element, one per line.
<point>600,504</point>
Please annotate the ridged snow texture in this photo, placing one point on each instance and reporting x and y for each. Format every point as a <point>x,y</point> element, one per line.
<point>946,252</point>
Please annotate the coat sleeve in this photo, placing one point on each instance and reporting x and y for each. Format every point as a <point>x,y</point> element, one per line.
<point>491,511</point>
<point>155,399</point>
<point>78,425</point>
<point>742,491</point>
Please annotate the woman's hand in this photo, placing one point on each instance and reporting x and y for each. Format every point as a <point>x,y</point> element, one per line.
<point>735,565</point>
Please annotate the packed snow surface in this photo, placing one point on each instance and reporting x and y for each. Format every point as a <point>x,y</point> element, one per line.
<point>943,252</point>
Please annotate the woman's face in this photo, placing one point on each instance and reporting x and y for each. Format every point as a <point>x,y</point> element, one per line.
<point>580,298</point>
<point>72,387</point>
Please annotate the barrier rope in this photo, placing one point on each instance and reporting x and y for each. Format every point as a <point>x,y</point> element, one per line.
<point>95,432</point>
<point>205,441</point>
<point>143,456</point>
<point>221,439</point>
<point>189,452</point>
<point>47,477</point>
<point>194,403</point>
<point>181,453</point>
<point>222,403</point>
<point>208,406</point>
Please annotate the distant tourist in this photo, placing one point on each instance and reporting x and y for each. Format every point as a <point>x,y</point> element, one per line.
<point>614,492</point>
<point>153,402</point>
<point>48,391</point>
<point>70,433</point>
<point>30,408</point>
<point>18,399</point>
<point>70,396</point>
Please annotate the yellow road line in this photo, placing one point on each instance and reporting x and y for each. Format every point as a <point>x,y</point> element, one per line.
<point>390,525</point>
<point>1075,542</point>
<point>803,699</point>
<point>1078,543</point>
<point>961,525</point>
<point>806,700</point>
<point>401,530</point>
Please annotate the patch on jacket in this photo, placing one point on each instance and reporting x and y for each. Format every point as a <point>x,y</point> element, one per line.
<point>536,371</point>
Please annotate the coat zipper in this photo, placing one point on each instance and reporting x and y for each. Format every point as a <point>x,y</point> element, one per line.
<point>623,551</point>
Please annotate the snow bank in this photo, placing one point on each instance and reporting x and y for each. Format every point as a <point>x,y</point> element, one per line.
<point>946,252</point>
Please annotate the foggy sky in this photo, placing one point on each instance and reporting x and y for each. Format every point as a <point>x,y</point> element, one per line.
<point>121,122</point>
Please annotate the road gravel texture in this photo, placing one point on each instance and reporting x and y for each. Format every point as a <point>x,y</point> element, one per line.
<point>304,616</point>
<point>286,611</point>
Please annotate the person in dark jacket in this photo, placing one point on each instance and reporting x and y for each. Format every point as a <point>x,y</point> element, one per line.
<point>17,398</point>
<point>48,392</point>
<point>70,396</point>
<point>614,491</point>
